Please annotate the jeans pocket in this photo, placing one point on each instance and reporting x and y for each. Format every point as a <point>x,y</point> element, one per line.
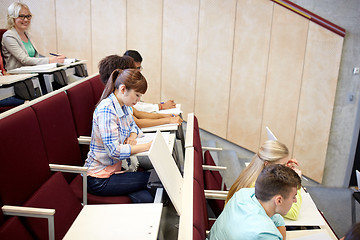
<point>96,185</point>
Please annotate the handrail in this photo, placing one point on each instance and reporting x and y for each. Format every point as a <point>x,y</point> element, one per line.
<point>312,17</point>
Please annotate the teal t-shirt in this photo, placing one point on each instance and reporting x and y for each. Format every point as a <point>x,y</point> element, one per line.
<point>29,48</point>
<point>243,218</point>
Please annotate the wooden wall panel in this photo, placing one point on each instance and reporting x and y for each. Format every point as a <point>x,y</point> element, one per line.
<point>108,30</point>
<point>179,48</point>
<point>74,29</point>
<point>322,62</point>
<point>251,49</point>
<point>286,59</point>
<point>4,4</point>
<point>215,47</point>
<point>144,33</point>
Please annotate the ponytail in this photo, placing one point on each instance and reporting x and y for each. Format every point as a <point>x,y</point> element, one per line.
<point>131,78</point>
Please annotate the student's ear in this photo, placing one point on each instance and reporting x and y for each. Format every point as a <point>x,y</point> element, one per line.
<point>266,163</point>
<point>278,199</point>
<point>122,88</point>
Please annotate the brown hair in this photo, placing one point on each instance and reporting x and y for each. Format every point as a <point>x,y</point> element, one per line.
<point>276,179</point>
<point>108,64</point>
<point>271,151</point>
<point>131,78</point>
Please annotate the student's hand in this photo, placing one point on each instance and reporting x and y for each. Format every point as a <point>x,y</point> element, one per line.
<point>169,115</point>
<point>175,119</point>
<point>148,145</point>
<point>130,141</point>
<point>293,164</point>
<point>57,59</point>
<point>168,104</point>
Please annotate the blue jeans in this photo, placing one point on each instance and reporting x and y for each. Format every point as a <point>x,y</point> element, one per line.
<point>11,101</point>
<point>133,184</point>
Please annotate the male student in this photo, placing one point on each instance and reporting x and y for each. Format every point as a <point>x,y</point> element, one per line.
<point>147,107</point>
<point>256,213</point>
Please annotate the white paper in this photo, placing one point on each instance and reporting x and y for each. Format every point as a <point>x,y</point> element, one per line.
<point>34,68</point>
<point>69,60</point>
<point>147,137</point>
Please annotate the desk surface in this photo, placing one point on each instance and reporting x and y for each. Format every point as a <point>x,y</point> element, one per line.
<point>170,142</point>
<point>44,68</point>
<point>117,221</point>
<point>164,127</point>
<point>309,216</point>
<point>10,79</point>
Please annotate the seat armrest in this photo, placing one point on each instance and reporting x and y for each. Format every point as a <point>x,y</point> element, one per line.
<point>213,195</point>
<point>84,140</point>
<point>67,168</point>
<point>73,169</point>
<point>213,168</point>
<point>33,212</point>
<point>211,149</point>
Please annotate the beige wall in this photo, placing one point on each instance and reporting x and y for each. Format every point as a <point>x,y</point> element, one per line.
<point>240,65</point>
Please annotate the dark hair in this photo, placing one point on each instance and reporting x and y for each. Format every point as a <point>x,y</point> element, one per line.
<point>276,179</point>
<point>353,233</point>
<point>131,78</point>
<point>134,54</point>
<point>108,64</point>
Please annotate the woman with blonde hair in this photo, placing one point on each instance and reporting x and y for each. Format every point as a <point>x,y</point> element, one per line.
<point>271,152</point>
<point>17,47</point>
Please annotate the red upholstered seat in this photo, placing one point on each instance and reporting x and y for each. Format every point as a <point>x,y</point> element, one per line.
<point>200,222</point>
<point>24,166</point>
<point>82,105</point>
<point>97,86</point>
<point>53,194</point>
<point>58,131</point>
<point>57,125</point>
<point>14,229</point>
<point>213,181</point>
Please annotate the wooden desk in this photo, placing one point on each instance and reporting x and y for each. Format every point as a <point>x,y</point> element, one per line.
<point>117,221</point>
<point>6,82</point>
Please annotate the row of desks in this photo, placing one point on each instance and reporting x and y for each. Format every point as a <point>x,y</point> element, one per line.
<point>42,77</point>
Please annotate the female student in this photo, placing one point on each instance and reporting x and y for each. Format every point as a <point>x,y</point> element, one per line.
<point>271,152</point>
<point>18,49</point>
<point>142,119</point>
<point>113,140</point>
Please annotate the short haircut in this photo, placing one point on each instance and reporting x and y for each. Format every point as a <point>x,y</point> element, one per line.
<point>276,179</point>
<point>134,54</point>
<point>108,64</point>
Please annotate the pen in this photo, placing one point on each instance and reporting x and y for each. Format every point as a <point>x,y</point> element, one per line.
<point>54,54</point>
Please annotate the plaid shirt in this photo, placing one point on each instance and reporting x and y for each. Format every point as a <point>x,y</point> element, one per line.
<point>111,125</point>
